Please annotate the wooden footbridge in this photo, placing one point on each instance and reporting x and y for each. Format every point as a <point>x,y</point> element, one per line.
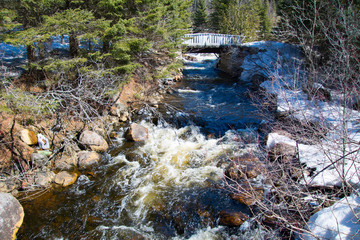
<point>210,42</point>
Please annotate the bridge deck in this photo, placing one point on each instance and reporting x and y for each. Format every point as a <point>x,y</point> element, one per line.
<point>211,40</point>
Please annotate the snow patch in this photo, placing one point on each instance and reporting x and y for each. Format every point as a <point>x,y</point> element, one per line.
<point>339,221</point>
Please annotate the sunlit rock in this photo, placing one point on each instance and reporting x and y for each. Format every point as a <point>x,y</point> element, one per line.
<point>28,137</point>
<point>11,216</point>
<point>65,178</point>
<point>137,133</point>
<point>87,158</point>
<point>93,141</point>
<point>44,179</point>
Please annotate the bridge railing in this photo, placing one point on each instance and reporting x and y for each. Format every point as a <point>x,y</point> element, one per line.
<point>211,40</point>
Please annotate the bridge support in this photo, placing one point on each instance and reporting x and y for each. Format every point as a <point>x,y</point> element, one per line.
<point>230,61</point>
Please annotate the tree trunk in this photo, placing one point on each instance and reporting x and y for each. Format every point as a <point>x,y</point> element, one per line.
<point>41,50</point>
<point>74,45</point>
<point>30,52</point>
<point>106,46</point>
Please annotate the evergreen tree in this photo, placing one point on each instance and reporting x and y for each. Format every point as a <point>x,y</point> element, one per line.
<point>219,10</point>
<point>200,16</point>
<point>130,31</point>
<point>242,19</point>
<point>266,24</point>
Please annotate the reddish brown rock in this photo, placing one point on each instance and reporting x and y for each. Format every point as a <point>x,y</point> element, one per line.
<point>232,219</point>
<point>247,194</point>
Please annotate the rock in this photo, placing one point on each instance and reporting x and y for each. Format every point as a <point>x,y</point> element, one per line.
<point>190,58</point>
<point>39,160</point>
<point>43,141</point>
<point>93,141</point>
<point>247,194</point>
<point>8,184</point>
<point>256,80</point>
<point>120,110</point>
<point>87,158</point>
<point>66,162</point>
<point>137,133</point>
<point>232,219</point>
<point>28,137</point>
<point>44,179</point>
<point>11,216</point>
<point>177,77</point>
<point>114,134</point>
<point>253,170</point>
<point>233,171</point>
<point>65,178</point>
<point>282,152</point>
<point>318,91</point>
<point>249,198</point>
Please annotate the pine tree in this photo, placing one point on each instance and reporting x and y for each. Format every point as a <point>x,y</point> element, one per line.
<point>241,19</point>
<point>265,20</point>
<point>200,16</point>
<point>219,10</point>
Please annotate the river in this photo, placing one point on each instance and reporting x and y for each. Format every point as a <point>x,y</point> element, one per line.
<point>170,187</point>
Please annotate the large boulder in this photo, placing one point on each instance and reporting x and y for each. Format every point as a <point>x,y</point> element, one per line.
<point>28,137</point>
<point>93,141</point>
<point>88,158</point>
<point>137,133</point>
<point>11,216</point>
<point>65,178</point>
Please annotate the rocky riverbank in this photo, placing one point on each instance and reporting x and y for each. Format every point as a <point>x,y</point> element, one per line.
<point>42,152</point>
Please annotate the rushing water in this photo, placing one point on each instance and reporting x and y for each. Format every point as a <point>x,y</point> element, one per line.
<point>167,188</point>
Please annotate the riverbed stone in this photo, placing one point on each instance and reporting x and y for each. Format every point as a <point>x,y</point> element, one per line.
<point>8,184</point>
<point>39,160</point>
<point>120,110</point>
<point>88,158</point>
<point>66,162</point>
<point>137,133</point>
<point>253,170</point>
<point>93,141</point>
<point>234,171</point>
<point>256,80</point>
<point>11,216</point>
<point>44,178</point>
<point>232,218</point>
<point>282,152</point>
<point>28,137</point>
<point>65,178</point>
